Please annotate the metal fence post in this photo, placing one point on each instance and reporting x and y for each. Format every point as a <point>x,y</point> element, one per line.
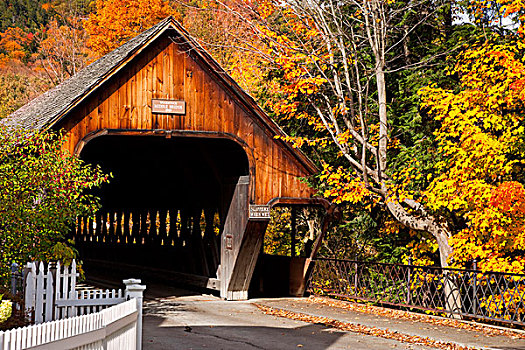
<point>409,281</point>
<point>475,287</point>
<point>14,277</point>
<point>134,290</point>
<point>355,277</point>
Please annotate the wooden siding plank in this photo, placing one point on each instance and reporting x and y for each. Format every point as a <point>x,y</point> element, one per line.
<point>114,105</point>
<point>220,105</point>
<point>153,82</point>
<point>211,121</point>
<point>189,94</point>
<point>148,85</point>
<point>179,71</point>
<point>199,103</point>
<point>125,103</point>
<point>139,96</point>
<point>132,100</point>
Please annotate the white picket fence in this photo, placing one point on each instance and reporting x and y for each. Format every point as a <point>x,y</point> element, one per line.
<point>51,293</point>
<point>117,327</point>
<point>76,319</point>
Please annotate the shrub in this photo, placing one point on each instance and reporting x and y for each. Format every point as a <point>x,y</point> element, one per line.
<point>42,192</point>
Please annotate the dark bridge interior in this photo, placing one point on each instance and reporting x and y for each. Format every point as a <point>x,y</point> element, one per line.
<point>165,204</point>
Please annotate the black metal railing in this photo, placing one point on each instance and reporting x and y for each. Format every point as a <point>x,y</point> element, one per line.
<point>493,296</point>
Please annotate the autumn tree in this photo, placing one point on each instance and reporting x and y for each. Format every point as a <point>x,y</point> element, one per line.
<point>116,21</point>
<point>333,75</point>
<point>15,46</point>
<point>229,39</point>
<point>332,60</point>
<point>481,144</point>
<point>62,48</point>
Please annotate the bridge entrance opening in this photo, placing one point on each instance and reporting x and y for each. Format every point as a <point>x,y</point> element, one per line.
<point>164,208</point>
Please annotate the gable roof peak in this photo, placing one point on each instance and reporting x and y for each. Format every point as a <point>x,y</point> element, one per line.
<point>49,108</point>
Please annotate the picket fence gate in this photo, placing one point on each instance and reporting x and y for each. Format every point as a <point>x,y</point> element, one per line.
<point>51,293</point>
<point>115,328</point>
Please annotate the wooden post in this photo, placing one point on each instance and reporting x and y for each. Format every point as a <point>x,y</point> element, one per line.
<point>58,279</point>
<point>49,295</point>
<point>73,286</point>
<point>246,259</point>
<point>30,289</point>
<point>241,242</point>
<point>294,232</point>
<point>234,225</point>
<point>39,307</point>
<point>134,290</point>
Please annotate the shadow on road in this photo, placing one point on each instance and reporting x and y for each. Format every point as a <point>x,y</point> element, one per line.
<point>163,336</point>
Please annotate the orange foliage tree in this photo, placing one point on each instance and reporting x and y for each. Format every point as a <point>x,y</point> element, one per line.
<point>228,39</point>
<point>13,45</point>
<point>116,21</point>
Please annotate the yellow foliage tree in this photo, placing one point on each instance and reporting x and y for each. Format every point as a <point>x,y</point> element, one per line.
<point>481,143</point>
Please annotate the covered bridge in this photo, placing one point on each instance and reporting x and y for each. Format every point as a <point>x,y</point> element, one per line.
<point>195,162</point>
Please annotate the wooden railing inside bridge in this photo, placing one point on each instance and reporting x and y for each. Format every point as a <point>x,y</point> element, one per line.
<point>186,240</point>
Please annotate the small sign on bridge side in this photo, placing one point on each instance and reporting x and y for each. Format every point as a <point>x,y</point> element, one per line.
<point>229,242</point>
<point>259,212</point>
<point>168,106</point>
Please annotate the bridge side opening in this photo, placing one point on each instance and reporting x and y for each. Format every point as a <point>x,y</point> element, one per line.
<point>292,239</point>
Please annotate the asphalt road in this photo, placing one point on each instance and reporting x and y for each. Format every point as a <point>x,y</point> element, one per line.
<point>190,321</point>
<point>177,318</point>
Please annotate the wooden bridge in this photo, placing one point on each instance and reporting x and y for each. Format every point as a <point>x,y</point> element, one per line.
<point>195,161</point>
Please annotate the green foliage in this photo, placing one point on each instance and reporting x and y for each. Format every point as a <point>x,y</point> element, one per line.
<point>277,240</point>
<point>278,237</point>
<point>25,14</point>
<point>42,191</point>
<point>412,127</point>
<point>362,236</point>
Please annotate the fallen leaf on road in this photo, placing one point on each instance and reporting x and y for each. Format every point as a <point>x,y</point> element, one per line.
<point>377,310</point>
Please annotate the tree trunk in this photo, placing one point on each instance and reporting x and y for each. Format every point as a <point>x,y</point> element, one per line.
<point>383,118</point>
<point>452,296</point>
